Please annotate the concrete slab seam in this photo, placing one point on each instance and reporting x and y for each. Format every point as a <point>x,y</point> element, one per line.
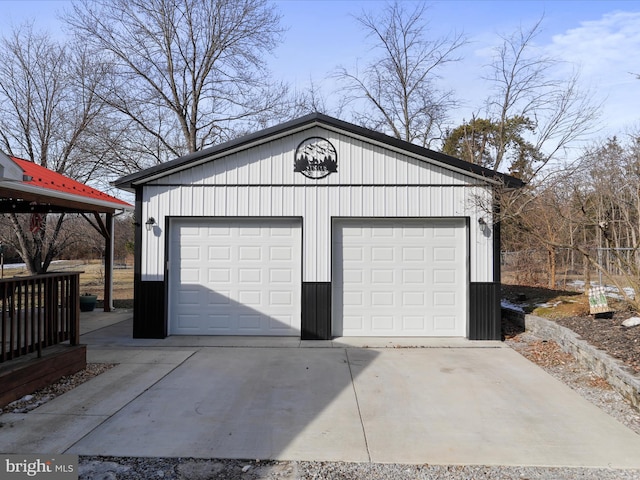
<point>355,393</point>
<point>126,404</point>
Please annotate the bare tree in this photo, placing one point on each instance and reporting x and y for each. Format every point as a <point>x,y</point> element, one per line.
<point>606,202</point>
<point>49,115</point>
<point>48,104</point>
<point>398,89</point>
<point>527,88</point>
<point>184,74</point>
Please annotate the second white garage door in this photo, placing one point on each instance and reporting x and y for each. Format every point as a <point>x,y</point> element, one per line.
<point>399,277</point>
<point>235,277</point>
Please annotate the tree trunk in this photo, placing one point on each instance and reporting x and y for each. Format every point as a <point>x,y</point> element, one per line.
<point>552,267</point>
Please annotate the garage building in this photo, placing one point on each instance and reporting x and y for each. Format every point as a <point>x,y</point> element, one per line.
<point>316,228</point>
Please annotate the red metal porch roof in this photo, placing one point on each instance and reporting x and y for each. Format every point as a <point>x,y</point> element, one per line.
<point>41,177</point>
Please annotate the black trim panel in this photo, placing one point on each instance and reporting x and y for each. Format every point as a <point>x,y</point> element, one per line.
<point>485,316</point>
<point>316,311</point>
<point>149,310</point>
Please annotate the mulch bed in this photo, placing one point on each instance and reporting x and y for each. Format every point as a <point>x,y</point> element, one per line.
<point>606,334</point>
<point>609,335</point>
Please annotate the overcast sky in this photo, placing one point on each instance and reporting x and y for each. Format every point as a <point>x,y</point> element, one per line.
<point>602,38</point>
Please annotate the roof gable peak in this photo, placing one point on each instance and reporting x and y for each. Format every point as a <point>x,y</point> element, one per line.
<point>305,122</point>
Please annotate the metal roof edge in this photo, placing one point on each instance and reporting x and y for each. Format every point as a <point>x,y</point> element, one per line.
<point>129,181</point>
<point>21,187</point>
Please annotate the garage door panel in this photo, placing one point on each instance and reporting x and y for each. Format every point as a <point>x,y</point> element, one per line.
<point>191,231</point>
<point>250,298</point>
<point>382,254</point>
<point>444,254</point>
<point>220,322</point>
<point>247,277</point>
<point>414,232</point>
<point>444,232</point>
<point>249,232</point>
<point>382,322</point>
<point>353,323</point>
<point>282,232</point>
<point>190,253</point>
<point>413,323</point>
<point>399,277</point>
<point>281,253</point>
<point>352,276</point>
<point>413,254</point>
<point>217,298</point>
<point>382,276</point>
<point>410,276</point>
<point>414,299</point>
<point>280,298</point>
<point>444,299</point>
<point>250,254</point>
<point>446,324</point>
<point>280,275</point>
<point>352,254</point>
<point>190,275</point>
<point>188,321</point>
<point>189,298</point>
<point>250,322</point>
<point>280,322</point>
<point>215,253</point>
<point>219,275</point>
<point>444,277</point>
<point>353,299</point>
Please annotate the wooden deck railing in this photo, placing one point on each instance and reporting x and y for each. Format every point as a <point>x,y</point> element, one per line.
<point>37,312</point>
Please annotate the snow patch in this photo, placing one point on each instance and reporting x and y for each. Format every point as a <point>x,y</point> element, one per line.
<point>511,306</point>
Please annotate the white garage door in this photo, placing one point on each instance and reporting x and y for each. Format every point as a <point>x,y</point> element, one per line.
<point>235,277</point>
<point>399,277</point>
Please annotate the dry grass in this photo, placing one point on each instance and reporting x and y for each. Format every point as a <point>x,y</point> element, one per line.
<point>92,277</point>
<point>553,304</point>
<point>92,281</point>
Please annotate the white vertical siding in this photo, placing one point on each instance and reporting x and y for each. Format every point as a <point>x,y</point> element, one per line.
<point>359,163</point>
<point>372,181</point>
<point>316,206</point>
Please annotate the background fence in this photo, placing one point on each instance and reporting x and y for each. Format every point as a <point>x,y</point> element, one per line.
<point>533,266</point>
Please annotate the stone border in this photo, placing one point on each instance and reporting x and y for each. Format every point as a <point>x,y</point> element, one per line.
<point>612,370</point>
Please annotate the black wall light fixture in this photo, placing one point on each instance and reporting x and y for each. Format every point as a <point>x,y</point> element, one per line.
<point>150,223</point>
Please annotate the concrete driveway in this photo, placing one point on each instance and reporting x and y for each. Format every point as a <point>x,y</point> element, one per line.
<point>444,402</point>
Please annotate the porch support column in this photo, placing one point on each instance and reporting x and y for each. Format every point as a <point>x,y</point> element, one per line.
<point>108,263</point>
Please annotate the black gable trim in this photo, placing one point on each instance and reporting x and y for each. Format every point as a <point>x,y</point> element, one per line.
<point>127,182</point>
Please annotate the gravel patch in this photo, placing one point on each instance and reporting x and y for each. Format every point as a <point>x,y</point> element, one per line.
<point>103,468</point>
<point>66,383</point>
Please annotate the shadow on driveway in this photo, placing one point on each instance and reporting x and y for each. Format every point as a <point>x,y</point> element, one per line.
<point>466,403</point>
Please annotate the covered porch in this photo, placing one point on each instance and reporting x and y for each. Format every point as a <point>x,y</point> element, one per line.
<point>40,317</point>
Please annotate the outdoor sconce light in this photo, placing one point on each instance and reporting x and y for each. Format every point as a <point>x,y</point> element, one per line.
<point>150,223</point>
<point>482,222</point>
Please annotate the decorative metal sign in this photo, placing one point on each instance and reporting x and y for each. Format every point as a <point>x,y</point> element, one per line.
<point>316,158</point>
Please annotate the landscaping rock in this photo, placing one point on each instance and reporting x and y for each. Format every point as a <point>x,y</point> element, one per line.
<point>631,322</point>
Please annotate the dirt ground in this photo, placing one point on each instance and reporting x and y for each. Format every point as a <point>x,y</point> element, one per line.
<point>571,310</point>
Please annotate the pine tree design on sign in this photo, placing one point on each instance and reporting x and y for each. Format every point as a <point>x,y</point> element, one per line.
<point>316,158</point>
